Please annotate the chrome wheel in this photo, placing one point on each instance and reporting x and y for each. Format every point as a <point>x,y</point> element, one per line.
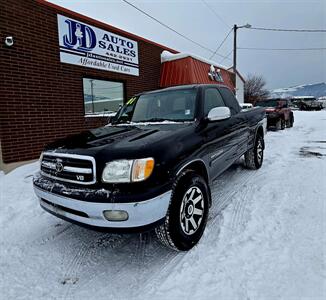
<point>259,151</point>
<point>192,210</point>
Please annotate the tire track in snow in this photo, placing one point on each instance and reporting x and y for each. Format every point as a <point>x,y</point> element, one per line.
<point>86,257</point>
<point>241,205</point>
<point>71,275</point>
<point>151,253</point>
<point>169,262</point>
<point>50,237</point>
<point>229,193</point>
<point>103,255</point>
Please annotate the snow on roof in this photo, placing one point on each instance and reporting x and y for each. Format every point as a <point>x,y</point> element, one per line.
<point>168,56</point>
<point>303,97</point>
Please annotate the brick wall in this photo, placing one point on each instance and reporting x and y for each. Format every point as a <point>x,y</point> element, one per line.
<point>41,99</point>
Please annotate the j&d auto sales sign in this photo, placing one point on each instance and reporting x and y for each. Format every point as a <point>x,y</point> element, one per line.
<point>89,46</point>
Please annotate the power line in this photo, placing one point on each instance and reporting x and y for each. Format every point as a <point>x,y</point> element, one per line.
<point>288,30</point>
<point>215,13</point>
<point>280,49</point>
<point>220,45</point>
<point>227,56</point>
<point>170,28</point>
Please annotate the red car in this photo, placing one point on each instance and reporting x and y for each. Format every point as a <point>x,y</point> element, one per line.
<point>278,112</point>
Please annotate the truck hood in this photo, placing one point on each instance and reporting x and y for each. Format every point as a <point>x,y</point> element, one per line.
<point>123,141</point>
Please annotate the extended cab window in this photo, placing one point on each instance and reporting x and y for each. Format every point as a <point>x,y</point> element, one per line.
<point>212,99</point>
<point>230,100</point>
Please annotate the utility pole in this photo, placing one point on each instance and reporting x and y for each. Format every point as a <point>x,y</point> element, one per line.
<point>92,92</point>
<point>235,28</point>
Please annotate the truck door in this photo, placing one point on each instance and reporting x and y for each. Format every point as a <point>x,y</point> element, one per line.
<point>240,124</point>
<point>219,137</point>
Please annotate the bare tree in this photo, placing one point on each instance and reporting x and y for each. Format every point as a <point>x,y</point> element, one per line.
<point>255,89</point>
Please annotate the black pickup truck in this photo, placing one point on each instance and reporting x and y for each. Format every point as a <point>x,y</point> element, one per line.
<point>153,165</point>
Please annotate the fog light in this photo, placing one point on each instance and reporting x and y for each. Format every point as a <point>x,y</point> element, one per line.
<point>115,215</point>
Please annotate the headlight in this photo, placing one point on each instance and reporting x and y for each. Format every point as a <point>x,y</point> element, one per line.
<point>120,171</point>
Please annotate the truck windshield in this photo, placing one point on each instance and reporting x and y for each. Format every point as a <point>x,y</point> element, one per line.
<point>268,103</point>
<point>177,106</point>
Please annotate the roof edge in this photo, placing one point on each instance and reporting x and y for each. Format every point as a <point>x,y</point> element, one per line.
<point>166,56</point>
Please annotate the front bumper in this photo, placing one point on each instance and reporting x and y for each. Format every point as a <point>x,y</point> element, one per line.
<point>141,214</point>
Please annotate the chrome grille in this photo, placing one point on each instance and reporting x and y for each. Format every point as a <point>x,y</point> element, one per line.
<point>69,167</point>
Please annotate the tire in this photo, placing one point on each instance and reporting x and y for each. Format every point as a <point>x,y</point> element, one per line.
<point>178,232</point>
<point>291,121</point>
<point>282,124</point>
<point>278,125</point>
<point>255,156</point>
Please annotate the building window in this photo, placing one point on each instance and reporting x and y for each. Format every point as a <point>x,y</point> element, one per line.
<point>101,96</point>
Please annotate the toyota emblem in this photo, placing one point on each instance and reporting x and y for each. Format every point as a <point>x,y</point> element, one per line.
<point>58,166</point>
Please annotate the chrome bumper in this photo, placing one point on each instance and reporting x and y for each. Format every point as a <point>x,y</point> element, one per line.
<point>140,213</point>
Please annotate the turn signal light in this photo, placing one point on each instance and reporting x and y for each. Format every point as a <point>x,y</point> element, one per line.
<point>142,169</point>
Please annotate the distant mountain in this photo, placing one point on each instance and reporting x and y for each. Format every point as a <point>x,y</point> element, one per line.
<point>316,89</point>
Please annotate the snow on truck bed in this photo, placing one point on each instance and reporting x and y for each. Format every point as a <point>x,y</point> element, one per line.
<point>265,239</point>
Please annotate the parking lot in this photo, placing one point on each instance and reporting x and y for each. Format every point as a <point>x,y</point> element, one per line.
<point>265,236</point>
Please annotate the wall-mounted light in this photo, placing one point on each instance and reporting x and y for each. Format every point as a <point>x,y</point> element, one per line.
<point>9,41</point>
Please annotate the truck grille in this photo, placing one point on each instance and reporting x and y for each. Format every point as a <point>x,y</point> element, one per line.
<point>69,167</point>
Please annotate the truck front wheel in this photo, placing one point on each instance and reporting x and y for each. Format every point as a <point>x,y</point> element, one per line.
<point>187,215</point>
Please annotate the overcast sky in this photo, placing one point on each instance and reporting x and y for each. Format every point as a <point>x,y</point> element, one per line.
<point>195,20</point>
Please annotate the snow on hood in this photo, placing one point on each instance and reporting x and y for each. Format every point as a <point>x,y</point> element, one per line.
<point>149,123</point>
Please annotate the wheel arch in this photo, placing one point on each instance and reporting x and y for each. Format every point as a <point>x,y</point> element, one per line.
<point>198,166</point>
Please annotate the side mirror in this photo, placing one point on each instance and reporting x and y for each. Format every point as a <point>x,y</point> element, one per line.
<point>219,113</point>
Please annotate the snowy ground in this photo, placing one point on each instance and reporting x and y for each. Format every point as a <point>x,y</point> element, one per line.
<point>266,237</point>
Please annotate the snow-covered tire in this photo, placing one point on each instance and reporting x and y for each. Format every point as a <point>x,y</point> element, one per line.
<point>290,122</point>
<point>278,124</point>
<point>255,156</point>
<point>282,124</point>
<point>190,196</point>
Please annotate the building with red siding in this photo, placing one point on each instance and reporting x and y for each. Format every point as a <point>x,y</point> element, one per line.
<point>63,72</point>
<point>184,68</point>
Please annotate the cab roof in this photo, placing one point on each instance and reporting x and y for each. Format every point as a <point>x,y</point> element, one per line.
<point>182,87</point>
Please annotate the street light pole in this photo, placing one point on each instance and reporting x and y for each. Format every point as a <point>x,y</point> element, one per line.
<point>92,91</point>
<point>235,28</point>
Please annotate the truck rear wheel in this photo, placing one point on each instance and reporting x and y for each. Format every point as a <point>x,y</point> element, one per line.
<point>278,124</point>
<point>290,122</point>
<point>187,215</point>
<point>255,156</point>
<point>282,124</point>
